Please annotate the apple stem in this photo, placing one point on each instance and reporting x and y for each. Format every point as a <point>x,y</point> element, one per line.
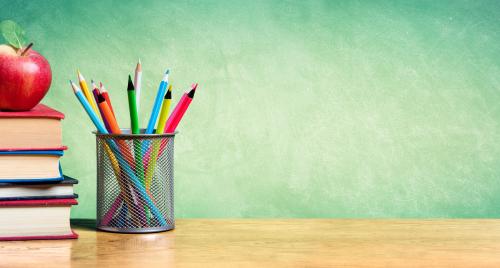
<point>26,49</point>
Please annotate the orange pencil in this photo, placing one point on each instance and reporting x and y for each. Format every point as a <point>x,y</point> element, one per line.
<point>108,116</point>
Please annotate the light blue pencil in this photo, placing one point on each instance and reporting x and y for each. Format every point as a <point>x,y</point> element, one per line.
<point>157,104</point>
<point>100,127</point>
<point>86,106</point>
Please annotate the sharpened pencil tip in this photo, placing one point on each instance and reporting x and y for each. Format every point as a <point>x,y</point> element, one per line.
<point>73,85</point>
<point>130,85</point>
<point>194,86</point>
<point>168,95</point>
<point>102,88</point>
<point>138,68</point>
<point>165,76</point>
<point>80,76</point>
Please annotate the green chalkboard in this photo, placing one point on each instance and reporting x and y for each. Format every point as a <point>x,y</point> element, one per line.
<point>305,108</point>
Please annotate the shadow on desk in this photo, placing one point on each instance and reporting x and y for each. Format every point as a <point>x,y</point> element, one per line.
<point>85,224</point>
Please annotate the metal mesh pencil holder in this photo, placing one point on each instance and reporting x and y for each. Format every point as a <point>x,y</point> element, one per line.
<point>135,182</point>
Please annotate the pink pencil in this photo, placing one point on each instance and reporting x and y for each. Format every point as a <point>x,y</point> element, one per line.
<point>179,110</point>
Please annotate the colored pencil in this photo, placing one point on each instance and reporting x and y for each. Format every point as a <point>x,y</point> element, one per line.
<point>165,107</point>
<point>108,115</point>
<point>95,92</point>
<point>138,84</point>
<point>86,92</point>
<point>156,106</point>
<point>179,110</point>
<point>162,88</point>
<point>132,104</point>
<point>134,122</point>
<point>105,94</point>
<point>151,163</point>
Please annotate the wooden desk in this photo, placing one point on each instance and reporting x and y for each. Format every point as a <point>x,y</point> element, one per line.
<point>273,243</point>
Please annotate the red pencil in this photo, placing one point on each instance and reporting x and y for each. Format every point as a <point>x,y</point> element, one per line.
<point>105,94</point>
<point>96,93</point>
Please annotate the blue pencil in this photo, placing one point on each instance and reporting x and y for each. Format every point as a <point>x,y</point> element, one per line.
<point>100,127</point>
<point>78,92</point>
<point>157,104</point>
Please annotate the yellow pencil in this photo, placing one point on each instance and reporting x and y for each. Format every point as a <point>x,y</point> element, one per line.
<point>159,130</point>
<point>86,92</point>
<point>164,111</point>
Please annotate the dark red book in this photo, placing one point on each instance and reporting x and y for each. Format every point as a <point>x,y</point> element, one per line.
<point>37,129</point>
<point>39,111</point>
<point>36,219</point>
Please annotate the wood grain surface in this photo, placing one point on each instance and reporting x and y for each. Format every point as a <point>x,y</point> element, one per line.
<point>272,243</point>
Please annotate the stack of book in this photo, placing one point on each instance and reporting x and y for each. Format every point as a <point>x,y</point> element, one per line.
<point>35,198</point>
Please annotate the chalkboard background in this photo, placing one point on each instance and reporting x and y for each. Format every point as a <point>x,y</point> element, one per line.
<point>305,108</point>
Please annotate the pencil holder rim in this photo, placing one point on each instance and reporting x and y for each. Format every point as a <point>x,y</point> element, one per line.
<point>126,134</point>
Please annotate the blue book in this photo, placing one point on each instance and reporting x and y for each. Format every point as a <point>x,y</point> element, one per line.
<point>30,166</point>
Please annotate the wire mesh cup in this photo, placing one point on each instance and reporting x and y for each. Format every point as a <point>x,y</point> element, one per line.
<point>135,182</point>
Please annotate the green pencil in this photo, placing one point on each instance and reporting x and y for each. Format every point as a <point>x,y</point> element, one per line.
<point>132,105</point>
<point>134,126</point>
<point>134,122</point>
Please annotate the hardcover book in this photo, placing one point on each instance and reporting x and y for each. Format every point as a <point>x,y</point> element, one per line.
<point>30,166</point>
<point>38,190</point>
<point>37,129</point>
<point>36,219</point>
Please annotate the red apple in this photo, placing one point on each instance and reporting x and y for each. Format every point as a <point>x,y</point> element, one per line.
<point>24,78</point>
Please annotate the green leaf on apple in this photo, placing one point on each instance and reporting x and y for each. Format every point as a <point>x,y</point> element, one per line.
<point>13,33</point>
